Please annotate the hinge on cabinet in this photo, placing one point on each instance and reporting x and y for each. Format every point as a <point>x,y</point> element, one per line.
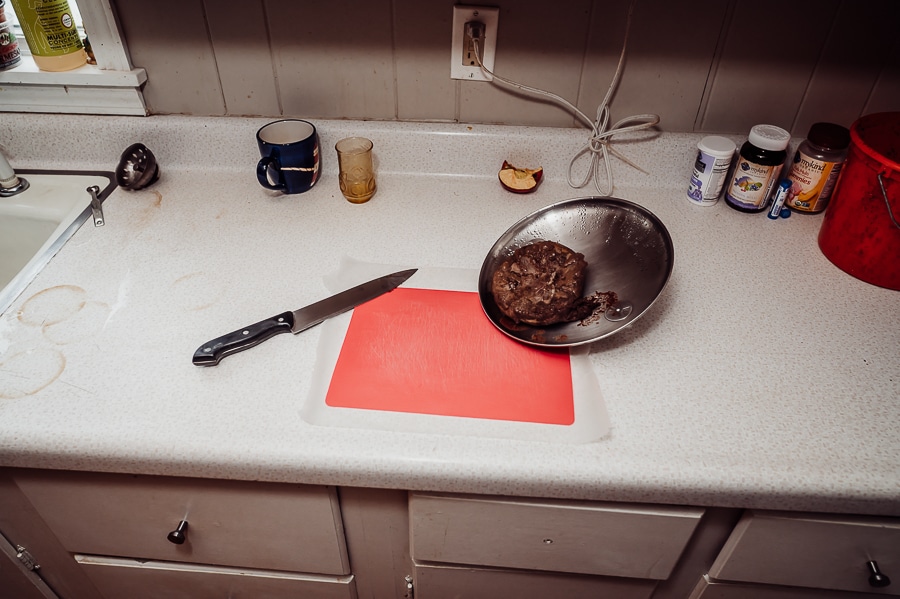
<point>410,591</point>
<point>27,560</point>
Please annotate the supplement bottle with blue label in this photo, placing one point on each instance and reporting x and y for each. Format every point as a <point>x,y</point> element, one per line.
<point>758,168</point>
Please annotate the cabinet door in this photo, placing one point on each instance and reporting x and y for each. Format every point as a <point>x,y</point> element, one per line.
<point>376,524</point>
<point>21,525</point>
<point>454,582</point>
<point>811,550</point>
<point>16,582</point>
<point>288,527</point>
<point>128,579</point>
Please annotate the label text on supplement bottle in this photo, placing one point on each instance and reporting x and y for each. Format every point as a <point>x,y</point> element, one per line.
<point>707,178</point>
<point>812,182</point>
<point>752,183</point>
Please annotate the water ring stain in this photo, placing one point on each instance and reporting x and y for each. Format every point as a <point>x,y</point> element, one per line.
<point>196,291</point>
<point>150,210</point>
<point>52,305</point>
<point>82,325</point>
<point>29,371</point>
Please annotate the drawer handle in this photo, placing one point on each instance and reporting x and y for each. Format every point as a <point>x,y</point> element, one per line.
<point>179,535</point>
<point>876,578</point>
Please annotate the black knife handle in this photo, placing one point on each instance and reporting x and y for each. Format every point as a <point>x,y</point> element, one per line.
<point>211,352</point>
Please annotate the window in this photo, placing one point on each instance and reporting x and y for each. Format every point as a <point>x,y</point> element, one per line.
<point>113,86</point>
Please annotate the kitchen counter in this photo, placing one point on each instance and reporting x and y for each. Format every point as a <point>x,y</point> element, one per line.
<point>764,377</point>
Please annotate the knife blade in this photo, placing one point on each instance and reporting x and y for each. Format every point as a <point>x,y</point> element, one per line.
<point>211,352</point>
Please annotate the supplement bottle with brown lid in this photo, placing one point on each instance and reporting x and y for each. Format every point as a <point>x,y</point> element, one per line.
<point>816,166</point>
<point>759,165</point>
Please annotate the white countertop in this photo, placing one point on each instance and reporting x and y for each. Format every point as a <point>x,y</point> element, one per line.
<point>763,377</point>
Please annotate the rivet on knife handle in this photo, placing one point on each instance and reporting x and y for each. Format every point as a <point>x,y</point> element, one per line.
<point>211,352</point>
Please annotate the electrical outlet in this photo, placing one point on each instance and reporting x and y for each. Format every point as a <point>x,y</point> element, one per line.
<point>462,62</point>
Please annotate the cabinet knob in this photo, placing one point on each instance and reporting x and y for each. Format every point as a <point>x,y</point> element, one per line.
<point>179,535</point>
<point>876,578</point>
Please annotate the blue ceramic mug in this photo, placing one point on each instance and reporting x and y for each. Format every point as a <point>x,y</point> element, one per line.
<point>290,156</point>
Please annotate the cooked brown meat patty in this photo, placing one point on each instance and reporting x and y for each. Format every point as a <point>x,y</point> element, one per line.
<point>540,284</point>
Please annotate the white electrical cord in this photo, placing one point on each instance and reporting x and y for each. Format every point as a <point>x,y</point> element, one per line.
<point>601,134</point>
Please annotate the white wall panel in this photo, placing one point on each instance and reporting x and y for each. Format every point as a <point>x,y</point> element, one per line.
<point>244,65</point>
<point>710,65</point>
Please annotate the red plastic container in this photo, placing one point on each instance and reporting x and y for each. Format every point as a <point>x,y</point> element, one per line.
<point>860,233</point>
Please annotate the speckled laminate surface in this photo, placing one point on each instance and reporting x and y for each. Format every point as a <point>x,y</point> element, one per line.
<point>763,377</point>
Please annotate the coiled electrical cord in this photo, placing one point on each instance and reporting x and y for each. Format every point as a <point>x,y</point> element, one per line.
<point>599,143</point>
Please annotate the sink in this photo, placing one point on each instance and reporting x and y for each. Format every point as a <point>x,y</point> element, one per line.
<point>36,223</point>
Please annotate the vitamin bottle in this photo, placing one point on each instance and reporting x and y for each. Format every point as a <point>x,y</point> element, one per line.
<point>51,34</point>
<point>758,168</point>
<point>816,166</point>
<point>714,155</point>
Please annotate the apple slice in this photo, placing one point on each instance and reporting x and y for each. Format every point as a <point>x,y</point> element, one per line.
<point>520,180</point>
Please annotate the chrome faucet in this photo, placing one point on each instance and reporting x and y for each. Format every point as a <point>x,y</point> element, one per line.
<point>10,184</point>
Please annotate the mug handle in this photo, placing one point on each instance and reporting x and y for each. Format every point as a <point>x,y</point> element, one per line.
<point>262,173</point>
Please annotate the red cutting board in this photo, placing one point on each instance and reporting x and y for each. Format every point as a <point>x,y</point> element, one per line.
<point>428,351</point>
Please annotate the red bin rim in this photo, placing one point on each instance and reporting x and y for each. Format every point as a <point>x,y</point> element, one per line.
<point>878,118</point>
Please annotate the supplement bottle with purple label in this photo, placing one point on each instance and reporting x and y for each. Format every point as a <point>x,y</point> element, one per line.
<point>714,155</point>
<point>758,168</point>
<point>816,166</point>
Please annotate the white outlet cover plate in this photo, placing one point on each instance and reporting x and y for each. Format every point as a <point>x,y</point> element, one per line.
<point>490,16</point>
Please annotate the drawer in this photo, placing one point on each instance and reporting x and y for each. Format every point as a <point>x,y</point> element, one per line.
<point>709,589</point>
<point>253,525</point>
<point>452,582</point>
<point>129,579</point>
<point>809,550</point>
<point>563,536</point>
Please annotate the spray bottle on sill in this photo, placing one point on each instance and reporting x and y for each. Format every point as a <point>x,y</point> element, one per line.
<point>51,34</point>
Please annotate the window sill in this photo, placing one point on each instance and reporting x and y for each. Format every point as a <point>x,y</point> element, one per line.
<point>85,90</point>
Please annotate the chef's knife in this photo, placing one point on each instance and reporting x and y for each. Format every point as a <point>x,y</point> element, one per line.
<point>211,352</point>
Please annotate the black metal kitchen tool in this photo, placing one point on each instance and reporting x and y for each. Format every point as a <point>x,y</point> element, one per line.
<point>211,352</point>
<point>137,168</point>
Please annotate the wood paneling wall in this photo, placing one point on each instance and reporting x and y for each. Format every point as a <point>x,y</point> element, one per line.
<point>702,65</point>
